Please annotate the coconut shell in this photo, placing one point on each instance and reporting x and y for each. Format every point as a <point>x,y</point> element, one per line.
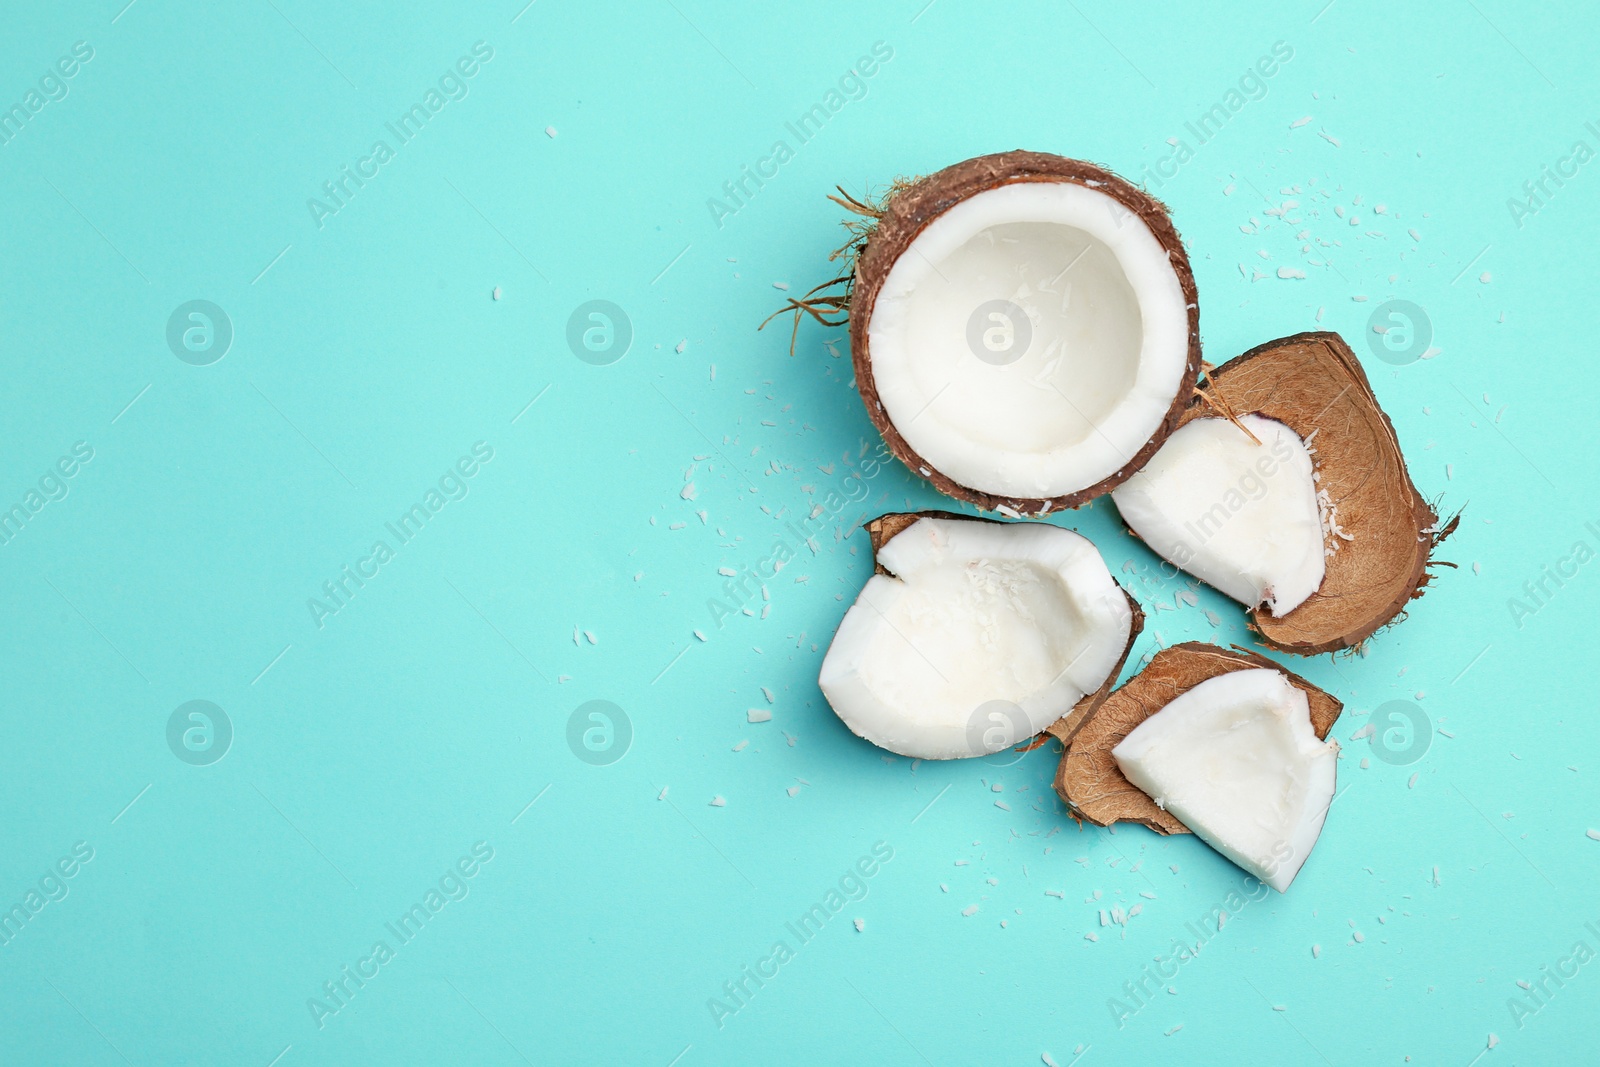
<point>912,207</point>
<point>884,527</point>
<point>1089,779</point>
<point>1313,383</point>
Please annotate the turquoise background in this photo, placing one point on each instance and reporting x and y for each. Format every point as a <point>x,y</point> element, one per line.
<point>371,754</point>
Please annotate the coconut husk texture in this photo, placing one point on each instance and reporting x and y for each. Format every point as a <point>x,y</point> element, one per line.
<point>1313,383</point>
<point>881,529</point>
<point>908,210</point>
<point>1088,778</point>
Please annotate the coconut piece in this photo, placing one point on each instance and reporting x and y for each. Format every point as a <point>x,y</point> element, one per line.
<point>1235,758</point>
<point>881,529</point>
<point>1089,780</point>
<point>1234,503</point>
<point>1024,327</point>
<point>973,635</point>
<point>1380,531</point>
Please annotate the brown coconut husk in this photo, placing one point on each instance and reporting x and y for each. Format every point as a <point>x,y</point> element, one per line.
<point>881,529</point>
<point>1088,778</point>
<point>883,230</point>
<point>1313,383</point>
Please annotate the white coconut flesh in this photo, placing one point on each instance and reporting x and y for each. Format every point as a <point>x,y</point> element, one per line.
<point>1236,759</point>
<point>985,634</point>
<point>1238,515</point>
<point>1031,340</point>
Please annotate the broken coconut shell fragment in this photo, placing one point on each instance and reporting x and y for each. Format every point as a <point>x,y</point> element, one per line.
<point>1024,327</point>
<point>1088,779</point>
<point>974,635</point>
<point>1379,531</point>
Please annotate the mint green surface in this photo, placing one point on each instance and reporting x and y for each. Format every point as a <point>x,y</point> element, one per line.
<point>373,749</point>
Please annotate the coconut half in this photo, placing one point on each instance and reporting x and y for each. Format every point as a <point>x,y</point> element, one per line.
<point>1377,530</point>
<point>1235,505</point>
<point>974,635</point>
<point>1090,781</point>
<point>1024,328</point>
<point>1236,759</point>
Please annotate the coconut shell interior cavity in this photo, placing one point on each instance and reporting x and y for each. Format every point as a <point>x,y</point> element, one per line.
<point>1013,244</point>
<point>1088,778</point>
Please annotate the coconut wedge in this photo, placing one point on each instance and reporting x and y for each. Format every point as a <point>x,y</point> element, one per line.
<point>1024,328</point>
<point>974,635</point>
<point>1235,505</point>
<point>1236,759</point>
<point>1090,781</point>
<point>1206,503</point>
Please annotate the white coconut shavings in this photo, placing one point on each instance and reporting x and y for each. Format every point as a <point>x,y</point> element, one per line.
<point>861,924</point>
<point>758,715</point>
<point>1328,511</point>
